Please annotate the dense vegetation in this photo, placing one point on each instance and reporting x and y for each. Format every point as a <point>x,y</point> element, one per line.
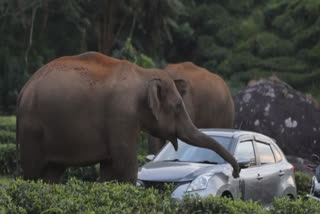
<point>77,196</point>
<point>22,197</point>
<point>238,39</point>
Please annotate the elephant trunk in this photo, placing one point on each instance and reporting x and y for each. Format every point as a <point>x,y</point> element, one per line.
<point>191,135</point>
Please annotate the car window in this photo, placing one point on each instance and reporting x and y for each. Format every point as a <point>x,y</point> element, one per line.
<point>276,153</point>
<point>189,153</point>
<point>265,152</point>
<point>245,150</point>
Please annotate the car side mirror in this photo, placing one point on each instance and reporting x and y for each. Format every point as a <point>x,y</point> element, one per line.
<point>150,157</point>
<point>243,163</point>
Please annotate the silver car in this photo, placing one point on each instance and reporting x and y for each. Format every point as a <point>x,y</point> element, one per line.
<point>265,172</point>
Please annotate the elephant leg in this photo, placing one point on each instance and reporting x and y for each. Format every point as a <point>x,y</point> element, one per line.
<point>53,173</point>
<point>30,142</point>
<point>123,166</point>
<point>106,172</point>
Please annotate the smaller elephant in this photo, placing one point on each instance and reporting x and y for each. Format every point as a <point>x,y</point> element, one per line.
<point>206,96</point>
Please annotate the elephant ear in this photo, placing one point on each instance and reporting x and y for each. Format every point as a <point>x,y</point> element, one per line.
<point>154,92</point>
<point>182,86</point>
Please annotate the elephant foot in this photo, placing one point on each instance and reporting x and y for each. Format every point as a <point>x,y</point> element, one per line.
<point>53,173</point>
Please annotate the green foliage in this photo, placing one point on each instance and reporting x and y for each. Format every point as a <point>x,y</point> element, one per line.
<point>83,197</point>
<point>76,196</point>
<point>243,6</point>
<point>7,158</point>
<point>303,182</point>
<point>8,123</point>
<point>7,137</point>
<point>7,206</point>
<point>285,64</point>
<point>300,206</point>
<point>130,53</point>
<point>313,55</point>
<point>209,33</point>
<point>195,204</point>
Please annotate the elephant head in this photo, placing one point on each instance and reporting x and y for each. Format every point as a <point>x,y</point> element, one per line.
<point>167,118</point>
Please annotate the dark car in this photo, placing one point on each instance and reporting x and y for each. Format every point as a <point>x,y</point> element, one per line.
<point>265,172</point>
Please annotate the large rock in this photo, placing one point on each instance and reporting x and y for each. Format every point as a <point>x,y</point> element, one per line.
<point>274,108</point>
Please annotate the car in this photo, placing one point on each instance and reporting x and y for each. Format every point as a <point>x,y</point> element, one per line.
<point>264,171</point>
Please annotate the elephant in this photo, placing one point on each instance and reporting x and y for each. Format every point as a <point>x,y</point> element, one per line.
<point>206,96</point>
<point>90,108</point>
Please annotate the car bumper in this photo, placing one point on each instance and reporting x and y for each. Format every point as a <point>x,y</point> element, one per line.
<point>181,191</point>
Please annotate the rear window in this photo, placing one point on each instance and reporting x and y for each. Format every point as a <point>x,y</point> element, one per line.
<point>276,153</point>
<point>265,152</point>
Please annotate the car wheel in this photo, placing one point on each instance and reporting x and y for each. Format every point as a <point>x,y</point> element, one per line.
<point>227,195</point>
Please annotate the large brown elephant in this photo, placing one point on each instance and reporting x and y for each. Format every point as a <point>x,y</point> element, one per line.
<point>90,108</point>
<point>206,96</point>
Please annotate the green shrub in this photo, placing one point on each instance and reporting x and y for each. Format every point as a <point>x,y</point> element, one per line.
<point>243,6</point>
<point>84,197</point>
<point>211,17</point>
<point>269,45</point>
<point>303,182</point>
<point>300,206</point>
<point>313,55</point>
<point>300,80</point>
<point>7,137</point>
<point>284,64</point>
<point>111,197</point>
<point>308,37</point>
<point>229,35</point>
<point>7,206</point>
<point>205,47</point>
<point>242,61</point>
<point>195,204</point>
<point>7,158</point>
<point>285,25</point>
<point>8,123</point>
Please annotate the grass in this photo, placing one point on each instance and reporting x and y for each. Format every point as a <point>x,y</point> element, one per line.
<point>5,180</point>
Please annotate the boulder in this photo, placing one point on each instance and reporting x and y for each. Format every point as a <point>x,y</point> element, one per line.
<point>272,107</point>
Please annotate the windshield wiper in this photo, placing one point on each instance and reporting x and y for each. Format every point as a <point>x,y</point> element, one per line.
<point>173,160</point>
<point>206,161</point>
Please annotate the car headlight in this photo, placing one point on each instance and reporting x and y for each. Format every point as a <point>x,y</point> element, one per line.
<point>200,182</point>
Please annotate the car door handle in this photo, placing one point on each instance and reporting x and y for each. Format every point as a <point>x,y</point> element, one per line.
<point>259,177</point>
<point>281,173</point>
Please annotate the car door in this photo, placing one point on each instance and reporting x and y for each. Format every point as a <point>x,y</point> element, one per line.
<point>268,173</point>
<point>248,177</point>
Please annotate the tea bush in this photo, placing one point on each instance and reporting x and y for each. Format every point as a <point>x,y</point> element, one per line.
<point>300,206</point>
<point>7,158</point>
<point>8,123</point>
<point>195,204</point>
<point>7,137</point>
<point>21,197</point>
<point>84,197</point>
<point>303,182</point>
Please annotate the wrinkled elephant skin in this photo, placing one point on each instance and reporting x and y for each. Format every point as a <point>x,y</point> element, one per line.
<point>90,108</point>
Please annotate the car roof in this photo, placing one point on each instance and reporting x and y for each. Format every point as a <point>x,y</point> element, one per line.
<point>234,133</point>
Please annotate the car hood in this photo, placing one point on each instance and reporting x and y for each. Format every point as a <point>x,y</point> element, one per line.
<point>178,171</point>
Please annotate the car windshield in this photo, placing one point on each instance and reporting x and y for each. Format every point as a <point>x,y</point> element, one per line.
<point>189,153</point>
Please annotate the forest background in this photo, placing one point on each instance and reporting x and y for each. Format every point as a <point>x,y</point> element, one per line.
<point>239,40</point>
